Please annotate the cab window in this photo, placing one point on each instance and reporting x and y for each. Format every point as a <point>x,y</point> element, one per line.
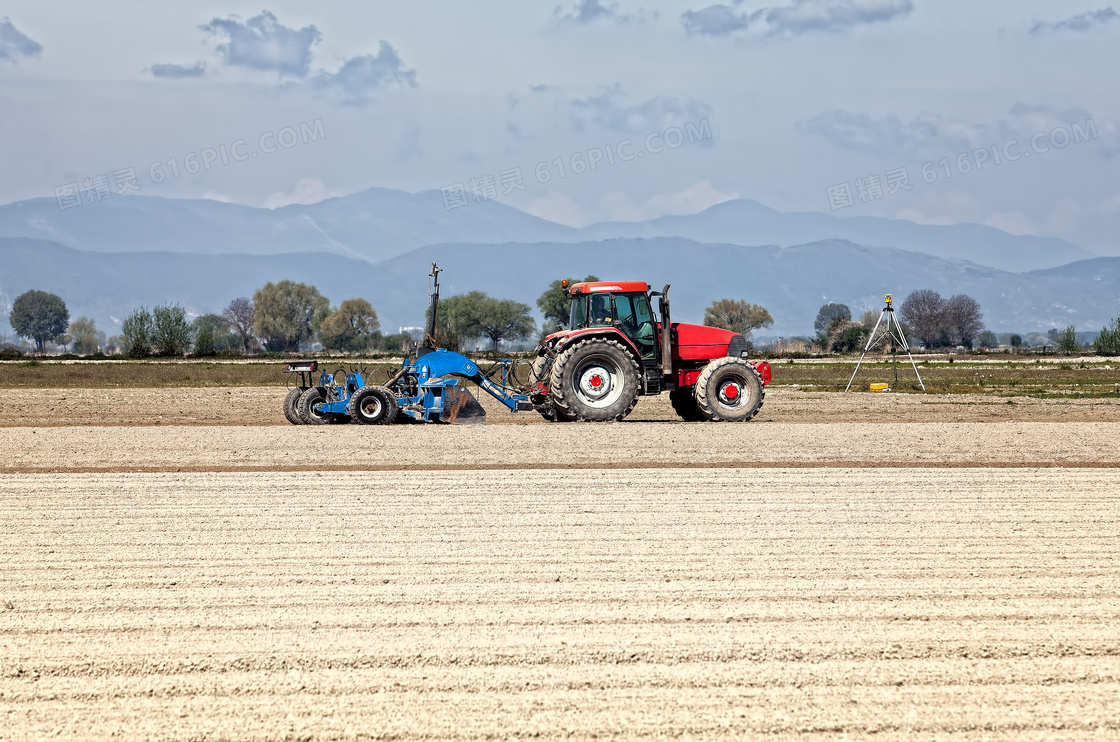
<point>634,319</point>
<point>579,312</point>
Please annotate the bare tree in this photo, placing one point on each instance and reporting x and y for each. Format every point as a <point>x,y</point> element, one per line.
<point>924,313</point>
<point>239,316</point>
<point>963,319</point>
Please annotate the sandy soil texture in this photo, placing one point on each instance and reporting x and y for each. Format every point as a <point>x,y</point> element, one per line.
<point>263,406</point>
<point>614,445</point>
<point>974,603</point>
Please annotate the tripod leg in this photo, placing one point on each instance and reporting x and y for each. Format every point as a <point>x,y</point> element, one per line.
<point>906,347</point>
<point>866,348</point>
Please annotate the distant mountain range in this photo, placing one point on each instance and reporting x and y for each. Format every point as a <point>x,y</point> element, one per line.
<point>379,224</point>
<point>791,281</point>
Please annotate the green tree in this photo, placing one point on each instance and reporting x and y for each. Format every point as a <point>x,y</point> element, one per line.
<point>83,336</point>
<point>848,336</point>
<point>222,340</point>
<point>287,314</point>
<point>1015,341</point>
<point>737,315</point>
<point>987,339</point>
<point>466,317</point>
<point>828,316</point>
<point>171,332</point>
<point>505,319</point>
<point>39,316</point>
<point>351,326</point>
<point>136,334</point>
<point>555,304</point>
<point>1108,342</point>
<point>1067,340</point>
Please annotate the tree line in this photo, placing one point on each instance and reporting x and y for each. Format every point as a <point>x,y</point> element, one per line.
<point>286,316</point>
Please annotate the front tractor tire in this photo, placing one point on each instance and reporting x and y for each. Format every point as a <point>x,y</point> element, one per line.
<point>595,380</point>
<point>373,405</point>
<point>729,389</point>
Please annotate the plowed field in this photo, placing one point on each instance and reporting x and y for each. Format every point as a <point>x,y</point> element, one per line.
<point>175,567</point>
<point>595,603</point>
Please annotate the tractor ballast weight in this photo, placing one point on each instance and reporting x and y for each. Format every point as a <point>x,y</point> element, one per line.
<point>615,352</point>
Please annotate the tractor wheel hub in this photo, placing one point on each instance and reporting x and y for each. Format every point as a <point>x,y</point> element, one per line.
<point>730,393</point>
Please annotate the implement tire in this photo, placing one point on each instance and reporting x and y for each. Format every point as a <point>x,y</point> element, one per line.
<point>684,404</point>
<point>729,390</point>
<point>373,405</point>
<point>542,403</point>
<point>594,380</point>
<point>291,405</point>
<point>308,407</point>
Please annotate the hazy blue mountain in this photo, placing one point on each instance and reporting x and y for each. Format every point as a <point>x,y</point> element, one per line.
<point>374,224</point>
<point>791,282</point>
<point>378,224</point>
<point>746,222</point>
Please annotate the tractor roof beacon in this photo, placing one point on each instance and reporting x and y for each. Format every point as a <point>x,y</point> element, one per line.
<point>615,351</point>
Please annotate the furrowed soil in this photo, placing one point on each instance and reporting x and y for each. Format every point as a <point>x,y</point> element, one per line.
<point>182,564</point>
<point>911,603</point>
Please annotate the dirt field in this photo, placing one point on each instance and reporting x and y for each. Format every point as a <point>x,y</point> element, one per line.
<point>977,603</point>
<point>182,564</point>
<point>243,406</point>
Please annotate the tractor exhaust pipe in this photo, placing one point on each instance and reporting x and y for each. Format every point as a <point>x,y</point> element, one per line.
<point>666,334</point>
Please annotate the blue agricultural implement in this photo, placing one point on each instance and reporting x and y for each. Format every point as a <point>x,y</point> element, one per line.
<point>614,351</point>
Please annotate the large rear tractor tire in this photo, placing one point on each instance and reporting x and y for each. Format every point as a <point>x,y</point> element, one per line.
<point>373,405</point>
<point>729,389</point>
<point>291,405</point>
<point>684,404</point>
<point>595,380</point>
<point>308,407</point>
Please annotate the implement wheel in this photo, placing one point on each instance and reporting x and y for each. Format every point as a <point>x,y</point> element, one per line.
<point>309,403</point>
<point>595,380</point>
<point>729,389</point>
<point>542,403</point>
<point>373,405</point>
<point>291,405</point>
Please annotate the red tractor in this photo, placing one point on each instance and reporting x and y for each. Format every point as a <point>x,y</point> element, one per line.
<point>616,350</point>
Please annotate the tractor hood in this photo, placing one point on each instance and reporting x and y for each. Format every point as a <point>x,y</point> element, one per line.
<point>697,342</point>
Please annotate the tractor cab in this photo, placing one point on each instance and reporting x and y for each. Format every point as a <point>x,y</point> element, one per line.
<point>623,305</point>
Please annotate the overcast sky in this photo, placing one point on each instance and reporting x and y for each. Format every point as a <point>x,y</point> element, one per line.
<point>783,101</point>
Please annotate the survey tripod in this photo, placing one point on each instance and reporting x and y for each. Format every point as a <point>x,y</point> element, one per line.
<point>893,330</point>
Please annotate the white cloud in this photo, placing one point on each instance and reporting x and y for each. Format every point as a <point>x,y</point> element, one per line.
<point>1082,22</point>
<point>14,43</point>
<point>179,71</point>
<point>714,20</point>
<point>361,76</point>
<point>263,43</point>
<point>307,191</point>
<point>656,114</point>
<point>588,11</point>
<point>215,196</point>
<point>803,16</point>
